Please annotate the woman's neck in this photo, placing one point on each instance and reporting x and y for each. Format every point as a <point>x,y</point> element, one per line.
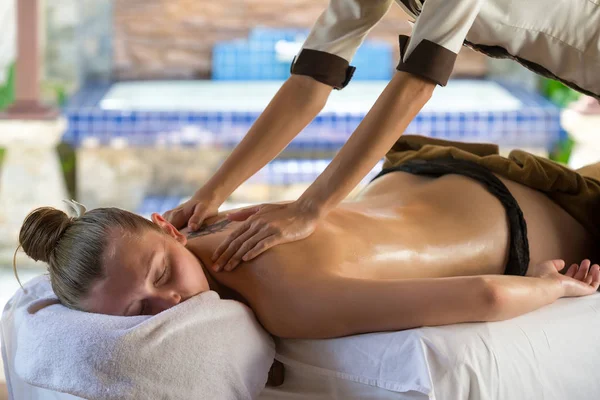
<point>213,284</point>
<point>202,243</point>
<point>224,292</point>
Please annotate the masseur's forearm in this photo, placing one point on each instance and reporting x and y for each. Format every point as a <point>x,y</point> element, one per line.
<point>296,103</point>
<point>395,108</point>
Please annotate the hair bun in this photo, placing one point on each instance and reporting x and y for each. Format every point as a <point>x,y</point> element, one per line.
<point>41,231</point>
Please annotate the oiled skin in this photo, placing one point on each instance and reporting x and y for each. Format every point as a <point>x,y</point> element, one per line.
<point>401,226</point>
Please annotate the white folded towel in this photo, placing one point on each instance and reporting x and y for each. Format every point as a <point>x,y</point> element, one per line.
<point>203,348</point>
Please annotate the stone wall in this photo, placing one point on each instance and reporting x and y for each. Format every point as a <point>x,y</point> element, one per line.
<point>158,39</point>
<point>78,41</point>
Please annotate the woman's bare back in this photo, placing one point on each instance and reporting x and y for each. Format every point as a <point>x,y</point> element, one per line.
<point>401,226</point>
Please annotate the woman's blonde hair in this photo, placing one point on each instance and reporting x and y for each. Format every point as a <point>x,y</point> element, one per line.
<point>74,247</point>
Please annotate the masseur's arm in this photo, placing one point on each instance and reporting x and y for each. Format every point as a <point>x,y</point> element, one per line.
<point>428,57</point>
<point>293,107</point>
<point>342,307</point>
<point>395,108</point>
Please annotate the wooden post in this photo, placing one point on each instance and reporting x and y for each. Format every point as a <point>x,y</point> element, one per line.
<point>27,72</point>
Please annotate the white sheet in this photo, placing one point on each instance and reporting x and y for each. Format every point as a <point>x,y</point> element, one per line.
<point>551,354</point>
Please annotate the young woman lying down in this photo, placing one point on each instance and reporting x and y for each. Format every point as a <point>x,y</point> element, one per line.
<point>427,242</point>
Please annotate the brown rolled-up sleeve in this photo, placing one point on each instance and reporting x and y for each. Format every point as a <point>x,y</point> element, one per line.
<point>438,34</point>
<point>334,38</point>
<point>428,60</point>
<point>324,67</point>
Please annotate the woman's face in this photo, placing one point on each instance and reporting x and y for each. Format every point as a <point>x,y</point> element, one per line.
<point>146,273</point>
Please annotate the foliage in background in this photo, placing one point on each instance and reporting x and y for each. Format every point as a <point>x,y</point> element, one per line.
<point>67,156</point>
<point>7,90</point>
<point>562,151</point>
<point>55,92</point>
<point>562,96</point>
<point>558,93</point>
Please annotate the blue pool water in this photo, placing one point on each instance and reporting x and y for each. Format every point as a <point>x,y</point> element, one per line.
<point>219,113</point>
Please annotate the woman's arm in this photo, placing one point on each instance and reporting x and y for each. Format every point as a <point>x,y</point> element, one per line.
<point>342,307</point>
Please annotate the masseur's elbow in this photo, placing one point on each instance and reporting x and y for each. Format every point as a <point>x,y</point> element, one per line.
<point>417,88</point>
<point>309,92</point>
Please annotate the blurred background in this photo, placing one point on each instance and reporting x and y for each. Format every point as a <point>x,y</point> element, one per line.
<point>147,98</point>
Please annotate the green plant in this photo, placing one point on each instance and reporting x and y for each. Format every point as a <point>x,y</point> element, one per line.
<point>68,158</point>
<point>562,151</point>
<point>7,90</point>
<point>558,93</point>
<point>55,92</point>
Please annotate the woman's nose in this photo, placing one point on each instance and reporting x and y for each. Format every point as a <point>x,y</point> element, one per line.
<point>167,300</point>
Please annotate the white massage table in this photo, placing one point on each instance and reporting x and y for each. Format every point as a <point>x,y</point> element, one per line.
<point>550,354</point>
<point>321,388</point>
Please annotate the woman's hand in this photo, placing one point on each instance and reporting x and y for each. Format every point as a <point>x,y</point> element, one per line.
<point>579,280</point>
<point>192,213</point>
<point>264,226</point>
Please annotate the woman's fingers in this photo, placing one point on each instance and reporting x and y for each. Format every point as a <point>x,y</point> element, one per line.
<point>271,225</point>
<point>262,246</point>
<point>176,217</point>
<point>588,278</point>
<point>583,270</point>
<point>244,214</point>
<point>248,244</point>
<point>593,277</point>
<point>190,214</point>
<point>197,217</point>
<point>231,244</point>
<point>572,270</point>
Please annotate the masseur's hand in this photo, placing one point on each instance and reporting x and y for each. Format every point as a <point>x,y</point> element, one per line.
<point>193,212</point>
<point>264,226</point>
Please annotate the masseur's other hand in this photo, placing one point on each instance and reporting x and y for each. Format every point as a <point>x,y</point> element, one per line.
<point>579,280</point>
<point>192,213</point>
<point>264,226</point>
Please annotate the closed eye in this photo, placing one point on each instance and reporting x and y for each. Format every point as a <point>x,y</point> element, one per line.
<point>164,274</point>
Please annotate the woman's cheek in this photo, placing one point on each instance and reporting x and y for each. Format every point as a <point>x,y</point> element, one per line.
<point>190,275</point>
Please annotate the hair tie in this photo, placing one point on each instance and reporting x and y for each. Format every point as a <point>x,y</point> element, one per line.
<point>75,208</point>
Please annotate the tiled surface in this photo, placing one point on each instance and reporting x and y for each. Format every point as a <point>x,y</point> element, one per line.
<point>286,172</point>
<point>278,172</point>
<point>220,113</point>
<point>267,54</point>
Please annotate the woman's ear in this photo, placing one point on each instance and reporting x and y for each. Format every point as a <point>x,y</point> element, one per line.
<point>168,228</point>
